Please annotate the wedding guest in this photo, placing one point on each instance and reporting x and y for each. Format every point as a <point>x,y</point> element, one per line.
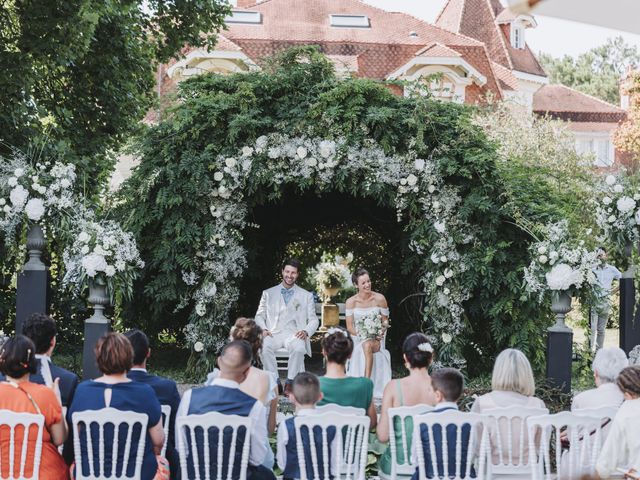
<point>165,389</point>
<point>114,356</point>
<point>41,329</point>
<point>622,447</point>
<point>305,394</point>
<point>336,386</point>
<point>224,396</point>
<point>448,384</point>
<point>607,364</point>
<point>18,394</point>
<point>414,389</point>
<point>512,385</point>
<point>260,384</point>
<point>605,274</point>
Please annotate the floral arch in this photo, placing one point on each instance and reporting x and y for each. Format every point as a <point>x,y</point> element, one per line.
<point>243,137</point>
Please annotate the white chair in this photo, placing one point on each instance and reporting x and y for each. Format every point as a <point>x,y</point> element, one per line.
<point>118,460</point>
<point>508,439</point>
<point>348,456</point>
<point>166,419</point>
<point>334,407</point>
<point>473,425</point>
<point>23,422</point>
<point>64,415</point>
<point>200,459</point>
<point>400,416</point>
<point>584,434</point>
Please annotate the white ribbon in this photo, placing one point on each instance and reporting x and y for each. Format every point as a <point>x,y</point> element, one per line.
<point>45,369</point>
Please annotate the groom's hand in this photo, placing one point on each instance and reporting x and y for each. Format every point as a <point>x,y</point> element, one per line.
<point>266,333</point>
<point>302,335</point>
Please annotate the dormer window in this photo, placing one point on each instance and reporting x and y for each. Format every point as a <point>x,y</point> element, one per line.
<point>244,17</point>
<point>517,35</point>
<point>349,21</point>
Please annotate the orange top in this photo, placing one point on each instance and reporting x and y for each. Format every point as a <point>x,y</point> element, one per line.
<point>52,466</point>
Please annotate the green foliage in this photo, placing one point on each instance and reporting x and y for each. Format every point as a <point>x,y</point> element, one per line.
<point>596,72</point>
<point>165,203</point>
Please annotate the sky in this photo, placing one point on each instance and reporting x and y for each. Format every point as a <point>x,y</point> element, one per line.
<point>554,36</point>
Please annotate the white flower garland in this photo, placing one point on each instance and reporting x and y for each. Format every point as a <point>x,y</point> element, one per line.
<point>618,210</point>
<point>276,160</point>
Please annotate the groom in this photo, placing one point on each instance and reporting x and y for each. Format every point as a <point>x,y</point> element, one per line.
<point>287,316</point>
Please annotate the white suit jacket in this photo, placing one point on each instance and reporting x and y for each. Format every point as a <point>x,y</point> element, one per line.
<point>301,306</point>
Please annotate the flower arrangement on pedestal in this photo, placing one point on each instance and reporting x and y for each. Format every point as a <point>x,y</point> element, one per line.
<point>35,193</point>
<point>618,210</point>
<point>330,276</point>
<point>560,264</point>
<point>102,254</point>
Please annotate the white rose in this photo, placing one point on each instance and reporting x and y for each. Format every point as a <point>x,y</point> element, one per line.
<point>610,179</point>
<point>83,237</point>
<point>230,162</point>
<point>218,176</point>
<point>611,219</point>
<point>34,209</point>
<point>247,151</point>
<point>606,200</point>
<point>18,197</point>
<point>6,209</point>
<point>448,273</point>
<point>301,152</point>
<point>447,338</point>
<point>542,249</point>
<point>222,189</point>
<point>403,181</point>
<point>110,271</point>
<point>327,148</point>
<point>626,204</point>
<point>443,258</point>
<point>412,180</point>
<point>311,162</point>
<point>618,188</point>
<point>435,258</point>
<point>18,172</point>
<point>84,250</point>
<point>440,280</point>
<point>12,182</point>
<point>42,190</point>
<point>440,227</point>
<point>221,242</point>
<point>553,255</point>
<point>65,183</point>
<point>431,188</point>
<point>198,346</point>
<point>261,141</point>
<point>2,202</point>
<point>419,164</point>
<point>446,291</point>
<point>543,259</point>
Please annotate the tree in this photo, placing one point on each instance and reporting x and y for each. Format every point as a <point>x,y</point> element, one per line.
<point>628,134</point>
<point>80,73</point>
<point>596,72</point>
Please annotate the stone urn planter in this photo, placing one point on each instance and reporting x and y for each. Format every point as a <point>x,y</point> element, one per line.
<point>330,311</point>
<point>560,305</point>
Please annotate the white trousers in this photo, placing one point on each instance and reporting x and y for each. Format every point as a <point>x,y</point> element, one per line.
<point>297,349</point>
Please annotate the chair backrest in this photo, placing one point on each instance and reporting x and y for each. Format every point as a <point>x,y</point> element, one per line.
<point>607,412</point>
<point>335,408</point>
<point>583,434</point>
<point>109,443</point>
<point>166,420</point>
<point>402,417</point>
<point>213,445</point>
<point>448,443</point>
<point>508,437</point>
<point>341,441</point>
<point>25,423</point>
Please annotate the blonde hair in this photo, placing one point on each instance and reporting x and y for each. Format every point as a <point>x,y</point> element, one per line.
<point>512,373</point>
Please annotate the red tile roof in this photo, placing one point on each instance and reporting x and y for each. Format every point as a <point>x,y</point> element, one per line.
<point>568,104</point>
<point>505,77</point>
<point>437,50</point>
<point>477,19</point>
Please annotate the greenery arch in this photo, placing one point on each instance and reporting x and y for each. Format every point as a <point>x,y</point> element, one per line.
<point>240,139</point>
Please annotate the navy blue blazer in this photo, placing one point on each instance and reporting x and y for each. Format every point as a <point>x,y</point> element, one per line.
<point>451,448</point>
<point>167,392</point>
<point>68,381</point>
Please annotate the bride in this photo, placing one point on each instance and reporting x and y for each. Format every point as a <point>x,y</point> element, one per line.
<point>370,358</point>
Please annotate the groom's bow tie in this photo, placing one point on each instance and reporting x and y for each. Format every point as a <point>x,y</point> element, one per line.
<point>287,293</point>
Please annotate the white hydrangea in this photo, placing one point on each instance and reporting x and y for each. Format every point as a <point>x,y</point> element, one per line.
<point>18,197</point>
<point>610,179</point>
<point>562,277</point>
<point>625,204</point>
<point>93,263</point>
<point>34,209</point>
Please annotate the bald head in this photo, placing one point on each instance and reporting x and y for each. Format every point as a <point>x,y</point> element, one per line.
<point>235,360</point>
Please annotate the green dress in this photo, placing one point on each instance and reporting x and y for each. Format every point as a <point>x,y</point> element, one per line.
<point>384,462</point>
<point>348,391</point>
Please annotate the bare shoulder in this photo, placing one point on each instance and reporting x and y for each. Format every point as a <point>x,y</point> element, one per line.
<point>351,301</point>
<point>380,299</point>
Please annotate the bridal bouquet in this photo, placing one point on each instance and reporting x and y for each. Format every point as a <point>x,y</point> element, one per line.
<point>618,210</point>
<point>559,264</point>
<point>370,326</point>
<point>32,192</point>
<point>104,253</point>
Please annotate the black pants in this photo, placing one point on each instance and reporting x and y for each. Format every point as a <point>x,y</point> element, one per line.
<point>259,472</point>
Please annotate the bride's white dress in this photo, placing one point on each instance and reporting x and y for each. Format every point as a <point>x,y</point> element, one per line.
<point>381,371</point>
